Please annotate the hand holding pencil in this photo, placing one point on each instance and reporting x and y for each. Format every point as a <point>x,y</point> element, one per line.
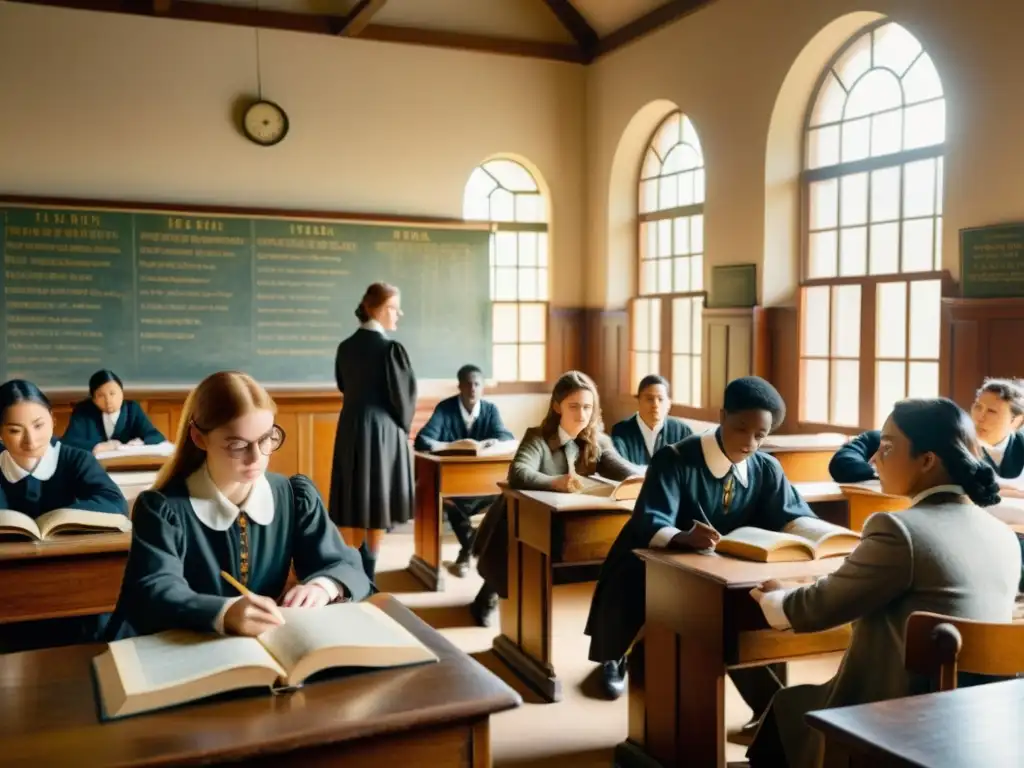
<point>252,614</point>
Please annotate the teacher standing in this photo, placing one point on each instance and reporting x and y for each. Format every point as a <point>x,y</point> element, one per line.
<point>371,479</point>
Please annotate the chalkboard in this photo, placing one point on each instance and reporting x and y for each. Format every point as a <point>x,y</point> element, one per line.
<point>992,261</point>
<point>733,285</point>
<point>165,298</point>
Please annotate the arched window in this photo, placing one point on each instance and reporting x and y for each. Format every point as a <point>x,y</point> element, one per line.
<point>872,184</point>
<point>666,316</point>
<point>505,193</point>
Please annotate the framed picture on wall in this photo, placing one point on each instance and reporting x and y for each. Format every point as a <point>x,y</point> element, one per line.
<point>733,285</point>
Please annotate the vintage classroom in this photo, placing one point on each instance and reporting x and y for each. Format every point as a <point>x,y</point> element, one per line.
<point>409,114</point>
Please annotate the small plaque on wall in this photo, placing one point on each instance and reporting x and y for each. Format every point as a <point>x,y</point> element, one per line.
<point>992,261</point>
<point>733,285</point>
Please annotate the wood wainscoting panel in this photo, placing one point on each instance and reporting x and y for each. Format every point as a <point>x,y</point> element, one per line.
<point>607,360</point>
<point>736,344</point>
<point>566,341</point>
<point>980,337</point>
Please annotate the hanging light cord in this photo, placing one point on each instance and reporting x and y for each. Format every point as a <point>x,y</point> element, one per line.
<point>259,74</point>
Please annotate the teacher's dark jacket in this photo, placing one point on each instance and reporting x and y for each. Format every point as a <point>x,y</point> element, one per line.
<point>371,479</point>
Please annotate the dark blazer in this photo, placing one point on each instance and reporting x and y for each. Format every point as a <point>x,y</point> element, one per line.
<point>446,425</point>
<point>85,429</point>
<point>850,463</point>
<point>629,440</point>
<point>1013,458</point>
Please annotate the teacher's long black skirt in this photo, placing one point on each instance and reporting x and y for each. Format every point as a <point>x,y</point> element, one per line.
<point>372,477</point>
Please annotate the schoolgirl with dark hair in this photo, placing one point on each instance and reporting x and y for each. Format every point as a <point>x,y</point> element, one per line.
<point>106,420</point>
<point>945,554</point>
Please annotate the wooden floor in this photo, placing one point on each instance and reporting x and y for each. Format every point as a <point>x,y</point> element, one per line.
<point>580,731</point>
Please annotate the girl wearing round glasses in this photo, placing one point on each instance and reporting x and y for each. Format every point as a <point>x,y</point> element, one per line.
<point>214,507</point>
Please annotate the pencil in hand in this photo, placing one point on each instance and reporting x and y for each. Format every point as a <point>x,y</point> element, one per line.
<point>264,603</point>
<point>242,590</point>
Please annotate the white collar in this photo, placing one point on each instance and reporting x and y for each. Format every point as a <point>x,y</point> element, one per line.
<point>645,430</point>
<point>564,436</point>
<point>110,422</point>
<point>469,415</point>
<point>996,451</point>
<point>44,469</point>
<point>717,461</point>
<point>373,325</point>
<point>959,491</point>
<point>215,511</point>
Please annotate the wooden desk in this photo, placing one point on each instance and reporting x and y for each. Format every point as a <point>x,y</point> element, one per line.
<point>701,621</point>
<point>438,477</point>
<point>435,715</point>
<point>978,727</point>
<point>133,483</point>
<point>804,458</point>
<point>864,499</point>
<point>71,576</point>
<point>547,533</point>
<point>134,463</point>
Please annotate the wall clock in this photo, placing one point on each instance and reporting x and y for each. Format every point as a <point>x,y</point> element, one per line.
<point>265,123</point>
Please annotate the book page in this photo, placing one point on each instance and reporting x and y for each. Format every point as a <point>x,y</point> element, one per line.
<point>816,530</point>
<point>170,659</point>
<point>466,444</point>
<point>163,449</point>
<point>628,488</point>
<point>12,522</point>
<point>337,626</point>
<point>762,539</point>
<point>59,521</point>
<point>500,448</point>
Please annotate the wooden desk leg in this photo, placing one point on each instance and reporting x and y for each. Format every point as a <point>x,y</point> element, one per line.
<point>684,675</point>
<point>425,564</point>
<point>525,640</point>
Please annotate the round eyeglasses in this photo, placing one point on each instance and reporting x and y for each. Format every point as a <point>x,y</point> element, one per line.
<point>267,444</point>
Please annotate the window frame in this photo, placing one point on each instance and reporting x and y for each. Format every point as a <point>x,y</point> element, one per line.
<point>665,352</point>
<point>867,360</point>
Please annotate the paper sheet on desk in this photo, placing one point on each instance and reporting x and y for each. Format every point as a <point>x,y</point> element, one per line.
<point>161,449</point>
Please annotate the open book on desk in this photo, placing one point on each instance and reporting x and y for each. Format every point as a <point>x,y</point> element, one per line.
<point>142,674</point>
<point>469,447</point>
<point>806,538</point>
<point>625,490</point>
<point>160,450</point>
<point>61,522</point>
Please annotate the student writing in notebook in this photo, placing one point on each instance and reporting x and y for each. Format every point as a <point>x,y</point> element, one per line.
<point>465,416</point>
<point>696,490</point>
<point>106,420</point>
<point>998,415</point>
<point>39,475</point>
<point>214,507</point>
<point>640,436</point>
<point>568,444</point>
<point>944,555</point>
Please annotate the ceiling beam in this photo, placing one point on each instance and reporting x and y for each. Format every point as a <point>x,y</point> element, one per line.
<point>578,27</point>
<point>359,17</point>
<point>648,23</point>
<point>190,10</point>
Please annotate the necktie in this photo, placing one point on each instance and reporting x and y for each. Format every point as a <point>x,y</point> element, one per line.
<point>727,491</point>
<point>243,547</point>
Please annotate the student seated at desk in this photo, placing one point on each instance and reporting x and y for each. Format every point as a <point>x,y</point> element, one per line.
<point>214,507</point>
<point>106,420</point>
<point>568,444</point>
<point>998,415</point>
<point>702,487</point>
<point>38,475</point>
<point>464,416</point>
<point>943,555</point>
<point>640,436</point>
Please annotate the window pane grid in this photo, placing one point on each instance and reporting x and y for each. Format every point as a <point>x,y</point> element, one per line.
<point>506,194</point>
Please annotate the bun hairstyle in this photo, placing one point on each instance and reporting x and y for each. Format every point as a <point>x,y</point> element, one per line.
<point>939,426</point>
<point>373,299</point>
<point>219,399</point>
<point>100,378</point>
<point>20,391</point>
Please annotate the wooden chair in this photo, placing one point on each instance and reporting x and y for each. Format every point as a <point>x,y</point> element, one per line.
<point>939,647</point>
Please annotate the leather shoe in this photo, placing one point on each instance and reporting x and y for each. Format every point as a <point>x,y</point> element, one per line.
<point>461,566</point>
<point>484,608</point>
<point>613,678</point>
